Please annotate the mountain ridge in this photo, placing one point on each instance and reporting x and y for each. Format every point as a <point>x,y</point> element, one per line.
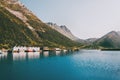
<point>110,40</point>
<point>19,26</point>
<point>63,30</point>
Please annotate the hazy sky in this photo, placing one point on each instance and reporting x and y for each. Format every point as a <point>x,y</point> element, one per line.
<point>85,18</point>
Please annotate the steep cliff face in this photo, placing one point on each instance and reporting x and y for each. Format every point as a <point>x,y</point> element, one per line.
<point>63,30</point>
<point>19,26</point>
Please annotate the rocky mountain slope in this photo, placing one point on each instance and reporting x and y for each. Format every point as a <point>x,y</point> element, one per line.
<point>66,32</point>
<point>110,40</point>
<point>19,26</point>
<point>63,30</point>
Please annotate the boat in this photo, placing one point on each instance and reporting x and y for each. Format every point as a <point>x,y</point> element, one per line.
<point>65,50</point>
<point>45,49</point>
<point>26,49</point>
<point>57,49</point>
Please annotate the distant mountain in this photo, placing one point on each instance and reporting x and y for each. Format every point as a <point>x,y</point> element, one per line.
<point>19,26</point>
<point>90,40</point>
<point>110,40</point>
<point>63,30</point>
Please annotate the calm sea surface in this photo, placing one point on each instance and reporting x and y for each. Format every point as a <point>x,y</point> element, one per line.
<point>81,65</point>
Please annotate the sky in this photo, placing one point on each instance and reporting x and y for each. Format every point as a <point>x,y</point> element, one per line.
<point>85,18</point>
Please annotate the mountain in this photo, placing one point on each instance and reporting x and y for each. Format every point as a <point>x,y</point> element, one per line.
<point>110,40</point>
<point>90,40</point>
<point>63,30</point>
<point>19,26</point>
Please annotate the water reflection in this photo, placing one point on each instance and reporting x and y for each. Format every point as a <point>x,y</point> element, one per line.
<point>19,56</point>
<point>79,65</point>
<point>33,55</point>
<point>58,53</point>
<point>54,53</point>
<point>46,53</point>
<point>3,55</point>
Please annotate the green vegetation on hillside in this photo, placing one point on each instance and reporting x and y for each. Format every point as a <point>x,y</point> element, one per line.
<point>51,36</point>
<point>13,32</point>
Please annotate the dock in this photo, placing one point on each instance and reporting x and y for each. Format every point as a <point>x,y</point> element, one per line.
<point>110,49</point>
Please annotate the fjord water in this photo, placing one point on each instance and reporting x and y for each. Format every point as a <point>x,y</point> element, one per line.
<point>81,65</point>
